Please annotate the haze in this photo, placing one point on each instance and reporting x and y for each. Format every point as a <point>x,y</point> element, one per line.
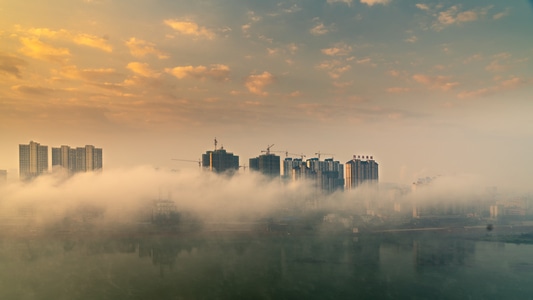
<point>429,88</point>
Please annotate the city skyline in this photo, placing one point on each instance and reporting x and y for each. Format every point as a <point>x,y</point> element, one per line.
<point>427,87</point>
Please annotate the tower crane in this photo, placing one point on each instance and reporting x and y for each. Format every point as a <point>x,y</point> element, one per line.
<point>301,155</point>
<point>199,161</point>
<point>268,149</point>
<point>320,153</point>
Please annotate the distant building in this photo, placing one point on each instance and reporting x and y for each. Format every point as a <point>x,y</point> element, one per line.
<point>327,175</point>
<point>361,170</point>
<point>267,164</point>
<point>220,161</point>
<point>80,159</point>
<point>295,169</point>
<point>33,160</point>
<point>3,176</point>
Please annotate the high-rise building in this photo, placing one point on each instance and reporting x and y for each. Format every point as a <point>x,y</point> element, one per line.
<point>295,169</point>
<point>33,160</point>
<point>327,175</point>
<point>361,169</point>
<point>3,176</point>
<point>268,164</point>
<point>80,159</point>
<point>220,161</point>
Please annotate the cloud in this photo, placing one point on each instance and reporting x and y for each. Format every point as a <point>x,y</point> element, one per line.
<point>347,2</point>
<point>77,38</point>
<point>32,90</point>
<point>422,6</point>
<point>502,85</point>
<point>454,15</point>
<point>499,63</point>
<point>319,29</point>
<point>190,28</point>
<point>216,72</point>
<point>34,48</point>
<point>411,39</point>
<point>393,73</point>
<point>372,2</point>
<point>335,68</point>
<point>139,48</point>
<point>501,15</point>
<point>142,69</point>
<point>256,83</point>
<point>11,65</point>
<point>435,82</point>
<point>339,49</point>
<point>92,75</point>
<point>92,41</point>
<point>398,90</point>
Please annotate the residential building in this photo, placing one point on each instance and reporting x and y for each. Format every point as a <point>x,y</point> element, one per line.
<point>327,175</point>
<point>220,161</point>
<point>361,169</point>
<point>33,160</point>
<point>268,164</point>
<point>79,159</point>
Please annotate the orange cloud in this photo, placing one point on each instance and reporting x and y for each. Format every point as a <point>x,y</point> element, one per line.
<point>372,2</point>
<point>142,69</point>
<point>190,28</point>
<point>139,48</point>
<point>33,47</point>
<point>503,85</point>
<point>216,72</point>
<point>439,82</point>
<point>77,38</point>
<point>339,49</point>
<point>256,83</point>
<point>92,41</point>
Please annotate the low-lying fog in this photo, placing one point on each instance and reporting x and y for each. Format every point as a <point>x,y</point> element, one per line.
<point>122,195</point>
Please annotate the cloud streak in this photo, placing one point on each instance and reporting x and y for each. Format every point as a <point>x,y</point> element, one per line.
<point>190,28</point>
<point>217,72</point>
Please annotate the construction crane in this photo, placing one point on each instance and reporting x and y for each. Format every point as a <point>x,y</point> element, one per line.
<point>268,149</point>
<point>301,155</point>
<point>320,153</point>
<point>199,161</point>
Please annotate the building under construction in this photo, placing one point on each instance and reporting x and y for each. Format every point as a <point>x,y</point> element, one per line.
<point>220,161</point>
<point>268,164</point>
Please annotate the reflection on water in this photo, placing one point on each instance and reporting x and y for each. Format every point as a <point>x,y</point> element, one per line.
<point>264,267</point>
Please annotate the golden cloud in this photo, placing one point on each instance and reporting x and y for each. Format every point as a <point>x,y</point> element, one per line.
<point>92,41</point>
<point>142,69</point>
<point>190,28</point>
<point>256,83</point>
<point>139,48</point>
<point>217,72</point>
<point>77,38</point>
<point>33,47</point>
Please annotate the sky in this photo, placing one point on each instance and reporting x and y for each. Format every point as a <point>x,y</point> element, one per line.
<point>427,88</point>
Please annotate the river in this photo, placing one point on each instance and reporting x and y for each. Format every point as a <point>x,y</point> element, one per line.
<point>328,266</point>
